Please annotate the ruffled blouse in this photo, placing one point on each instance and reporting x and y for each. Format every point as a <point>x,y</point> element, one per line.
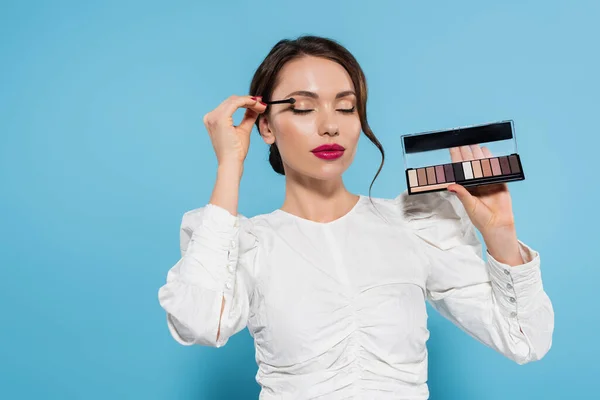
<point>337,310</point>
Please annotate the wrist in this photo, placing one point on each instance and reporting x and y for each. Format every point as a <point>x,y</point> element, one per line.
<point>226,191</point>
<point>230,169</point>
<point>503,245</point>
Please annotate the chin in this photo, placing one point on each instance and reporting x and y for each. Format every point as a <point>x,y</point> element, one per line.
<point>320,169</point>
<point>330,171</point>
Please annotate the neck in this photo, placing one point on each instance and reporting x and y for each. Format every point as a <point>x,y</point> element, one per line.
<point>317,200</point>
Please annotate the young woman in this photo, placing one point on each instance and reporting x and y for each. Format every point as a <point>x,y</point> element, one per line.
<point>332,286</point>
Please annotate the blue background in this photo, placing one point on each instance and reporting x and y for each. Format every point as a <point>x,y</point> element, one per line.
<point>102,149</point>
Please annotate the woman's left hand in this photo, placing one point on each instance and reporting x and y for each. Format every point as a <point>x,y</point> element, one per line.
<point>490,209</point>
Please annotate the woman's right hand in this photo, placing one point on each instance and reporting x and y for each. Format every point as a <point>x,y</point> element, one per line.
<point>231,142</point>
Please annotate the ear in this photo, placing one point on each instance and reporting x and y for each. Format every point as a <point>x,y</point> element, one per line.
<point>265,130</point>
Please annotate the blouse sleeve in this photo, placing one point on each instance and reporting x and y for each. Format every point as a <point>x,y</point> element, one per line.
<point>504,307</point>
<point>217,257</point>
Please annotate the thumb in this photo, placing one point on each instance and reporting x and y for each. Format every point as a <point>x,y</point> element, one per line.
<point>467,199</point>
<point>248,121</point>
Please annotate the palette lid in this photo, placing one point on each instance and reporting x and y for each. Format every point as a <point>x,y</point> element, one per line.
<point>432,147</point>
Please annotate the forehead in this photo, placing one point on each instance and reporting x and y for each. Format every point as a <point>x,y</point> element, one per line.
<point>325,77</point>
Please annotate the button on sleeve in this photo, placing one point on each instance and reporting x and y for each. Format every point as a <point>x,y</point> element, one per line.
<point>502,306</point>
<point>218,253</point>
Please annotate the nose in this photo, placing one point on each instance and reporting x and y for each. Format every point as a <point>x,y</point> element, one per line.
<point>329,127</point>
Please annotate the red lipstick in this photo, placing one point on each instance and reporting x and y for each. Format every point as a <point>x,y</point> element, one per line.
<point>328,151</point>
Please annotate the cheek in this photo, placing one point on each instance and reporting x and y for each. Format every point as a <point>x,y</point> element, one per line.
<point>353,128</point>
<point>296,130</point>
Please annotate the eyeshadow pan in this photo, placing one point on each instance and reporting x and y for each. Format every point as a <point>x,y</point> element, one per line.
<point>468,171</point>
<point>487,168</point>
<point>495,167</point>
<point>449,172</point>
<point>431,187</point>
<point>514,164</point>
<point>412,178</point>
<point>439,172</point>
<point>431,176</point>
<point>504,165</point>
<point>477,169</point>
<point>459,173</point>
<point>422,177</point>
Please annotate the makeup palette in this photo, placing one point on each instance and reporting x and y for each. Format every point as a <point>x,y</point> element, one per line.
<point>430,168</point>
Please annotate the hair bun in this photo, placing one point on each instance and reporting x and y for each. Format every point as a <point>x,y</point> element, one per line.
<point>275,159</point>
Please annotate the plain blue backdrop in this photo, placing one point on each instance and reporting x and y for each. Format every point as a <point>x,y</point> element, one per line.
<point>102,149</point>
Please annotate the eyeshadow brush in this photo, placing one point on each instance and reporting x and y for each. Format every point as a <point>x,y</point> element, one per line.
<point>290,101</point>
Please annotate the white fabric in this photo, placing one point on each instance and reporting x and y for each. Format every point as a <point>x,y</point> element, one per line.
<point>337,310</point>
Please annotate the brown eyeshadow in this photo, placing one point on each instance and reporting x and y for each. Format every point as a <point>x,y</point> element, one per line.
<point>431,176</point>
<point>504,165</point>
<point>486,167</point>
<point>477,173</point>
<point>449,172</point>
<point>514,164</point>
<point>422,177</point>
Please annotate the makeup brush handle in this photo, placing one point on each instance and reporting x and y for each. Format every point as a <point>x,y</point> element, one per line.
<point>290,101</point>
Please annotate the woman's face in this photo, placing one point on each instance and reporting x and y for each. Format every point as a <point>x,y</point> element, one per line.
<point>324,114</point>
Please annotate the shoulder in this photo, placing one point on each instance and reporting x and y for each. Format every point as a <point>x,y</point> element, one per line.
<point>219,222</point>
<point>409,208</point>
<point>439,218</point>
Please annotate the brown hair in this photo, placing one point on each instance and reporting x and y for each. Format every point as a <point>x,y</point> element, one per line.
<point>265,80</point>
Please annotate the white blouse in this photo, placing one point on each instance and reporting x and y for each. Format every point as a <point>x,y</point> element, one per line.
<point>337,310</point>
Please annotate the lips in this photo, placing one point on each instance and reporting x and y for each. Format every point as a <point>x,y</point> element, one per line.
<point>329,151</point>
<point>328,147</point>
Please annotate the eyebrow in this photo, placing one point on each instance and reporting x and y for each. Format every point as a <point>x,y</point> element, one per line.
<point>316,96</point>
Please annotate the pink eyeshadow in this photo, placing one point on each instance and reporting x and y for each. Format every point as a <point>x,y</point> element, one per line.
<point>439,171</point>
<point>495,167</point>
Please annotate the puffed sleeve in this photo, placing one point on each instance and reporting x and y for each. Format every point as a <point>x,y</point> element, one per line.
<point>504,307</point>
<point>218,252</point>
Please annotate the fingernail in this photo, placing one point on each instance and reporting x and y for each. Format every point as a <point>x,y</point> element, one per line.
<point>264,104</point>
<point>254,98</point>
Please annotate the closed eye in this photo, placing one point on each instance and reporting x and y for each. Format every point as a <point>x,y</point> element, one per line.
<point>295,111</point>
<point>346,111</point>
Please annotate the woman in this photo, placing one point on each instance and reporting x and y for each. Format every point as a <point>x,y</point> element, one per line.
<point>332,285</point>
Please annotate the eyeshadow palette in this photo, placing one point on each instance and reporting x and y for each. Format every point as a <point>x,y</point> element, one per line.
<point>466,173</point>
<point>430,168</point>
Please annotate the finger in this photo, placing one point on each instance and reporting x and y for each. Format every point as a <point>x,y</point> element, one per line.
<point>477,152</point>
<point>455,155</point>
<point>259,106</point>
<point>230,106</point>
<point>466,153</point>
<point>486,152</point>
<point>466,198</point>
<point>248,121</point>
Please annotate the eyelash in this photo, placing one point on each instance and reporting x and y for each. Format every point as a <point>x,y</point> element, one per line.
<point>301,112</point>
